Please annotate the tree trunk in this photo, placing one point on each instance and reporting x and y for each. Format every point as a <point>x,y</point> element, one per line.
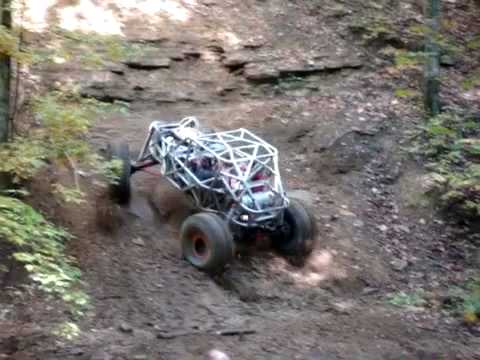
<point>5,20</point>
<point>432,52</point>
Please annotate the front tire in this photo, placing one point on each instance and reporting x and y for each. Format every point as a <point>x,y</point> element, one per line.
<point>120,190</point>
<point>297,235</point>
<point>207,242</point>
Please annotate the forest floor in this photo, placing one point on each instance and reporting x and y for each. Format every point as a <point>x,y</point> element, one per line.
<point>313,80</point>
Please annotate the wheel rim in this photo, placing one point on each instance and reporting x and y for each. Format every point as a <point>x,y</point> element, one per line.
<point>198,250</point>
<point>286,231</point>
<point>199,246</point>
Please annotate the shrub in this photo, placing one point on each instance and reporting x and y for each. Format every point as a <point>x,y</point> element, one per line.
<point>41,247</point>
<point>471,303</point>
<point>65,120</point>
<point>451,142</point>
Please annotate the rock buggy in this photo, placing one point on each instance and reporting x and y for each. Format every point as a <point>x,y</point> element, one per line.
<point>232,178</point>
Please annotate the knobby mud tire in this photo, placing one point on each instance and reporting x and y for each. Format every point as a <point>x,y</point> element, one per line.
<point>207,242</point>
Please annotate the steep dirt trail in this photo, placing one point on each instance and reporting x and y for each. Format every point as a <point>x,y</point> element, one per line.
<point>237,64</point>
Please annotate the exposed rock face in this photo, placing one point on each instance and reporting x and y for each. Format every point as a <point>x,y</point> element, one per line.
<point>115,68</point>
<point>237,59</point>
<point>261,72</point>
<point>332,64</point>
<point>106,86</point>
<point>147,63</point>
<point>263,68</point>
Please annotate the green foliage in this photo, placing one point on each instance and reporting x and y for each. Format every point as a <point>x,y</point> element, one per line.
<point>450,134</point>
<point>451,141</point>
<point>471,81</point>
<point>403,299</point>
<point>446,43</point>
<point>41,247</point>
<point>69,195</point>
<point>419,29</point>
<point>373,27</point>
<point>405,93</point>
<point>471,302</point>
<point>22,158</point>
<point>449,24</point>
<point>377,29</point>
<point>474,43</point>
<point>111,170</point>
<point>408,59</point>
<point>9,46</point>
<point>66,119</point>
<point>67,330</point>
<point>464,301</point>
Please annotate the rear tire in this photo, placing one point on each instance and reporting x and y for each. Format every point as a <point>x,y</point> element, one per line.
<point>120,191</point>
<point>297,236</point>
<point>207,242</point>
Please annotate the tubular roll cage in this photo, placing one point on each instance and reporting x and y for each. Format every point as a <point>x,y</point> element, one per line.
<point>238,157</point>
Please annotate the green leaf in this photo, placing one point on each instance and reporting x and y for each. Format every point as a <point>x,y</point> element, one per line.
<point>441,130</point>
